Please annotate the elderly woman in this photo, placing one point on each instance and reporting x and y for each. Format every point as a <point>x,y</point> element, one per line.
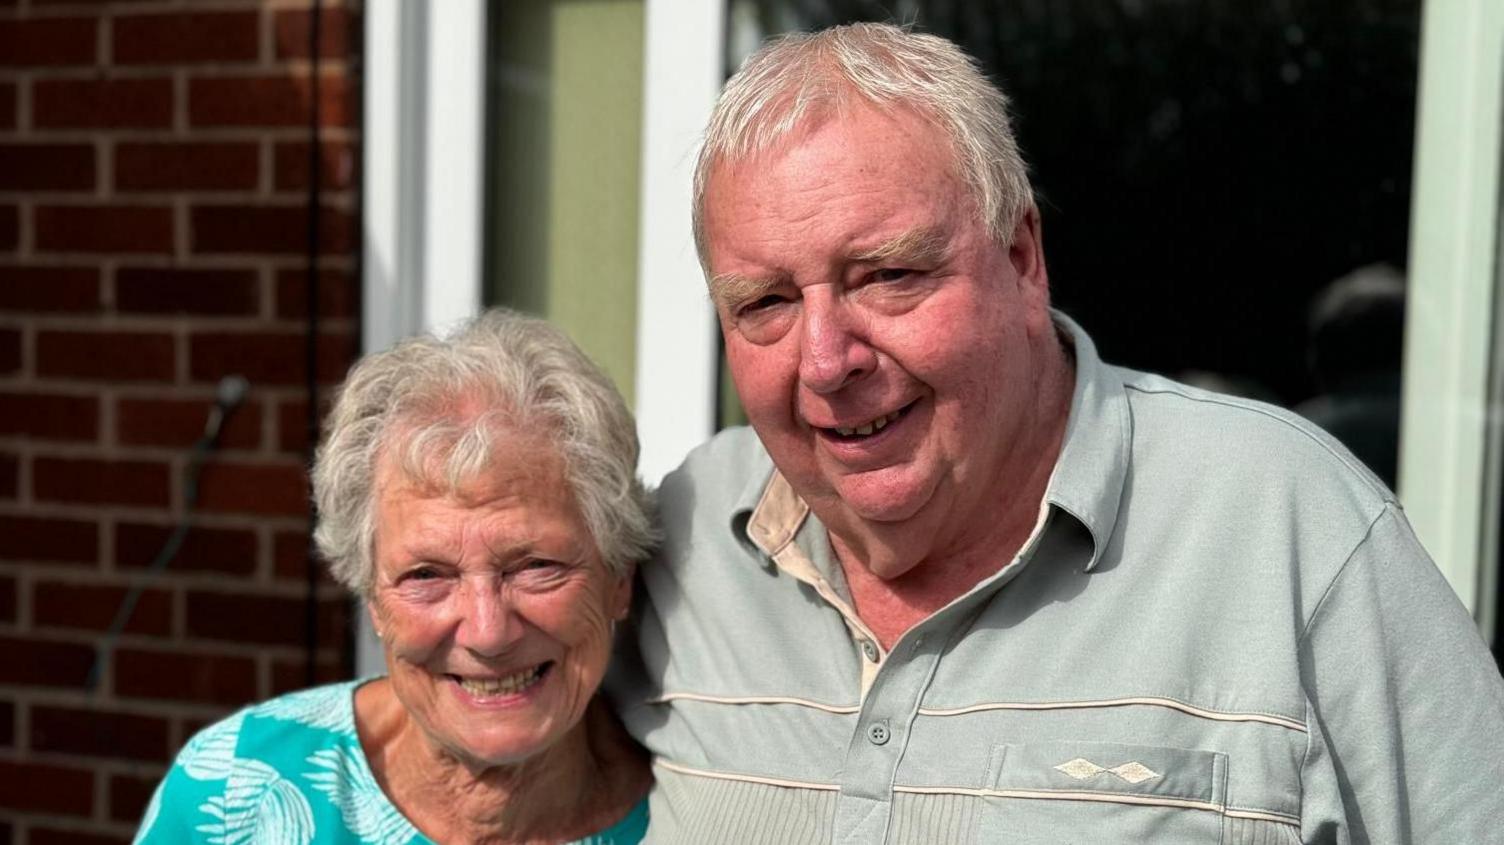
<point>480,493</point>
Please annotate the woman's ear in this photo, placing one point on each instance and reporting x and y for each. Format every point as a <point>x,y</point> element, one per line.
<point>621,596</point>
<point>375,615</point>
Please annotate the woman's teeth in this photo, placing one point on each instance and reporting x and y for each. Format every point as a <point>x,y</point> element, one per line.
<point>509,685</point>
<point>868,428</point>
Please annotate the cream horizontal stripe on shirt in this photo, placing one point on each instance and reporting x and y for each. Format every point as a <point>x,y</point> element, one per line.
<point>1146,701</point>
<point>759,699</point>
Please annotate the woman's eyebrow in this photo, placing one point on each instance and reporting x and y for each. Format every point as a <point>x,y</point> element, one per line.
<point>924,244</point>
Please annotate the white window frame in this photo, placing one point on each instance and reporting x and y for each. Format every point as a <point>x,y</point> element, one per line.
<point>677,355</point>
<point>424,96</point>
<point>1449,468</point>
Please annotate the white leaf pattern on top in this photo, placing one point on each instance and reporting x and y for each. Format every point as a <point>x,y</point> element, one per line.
<point>328,708</point>
<point>211,754</point>
<point>348,784</point>
<point>258,805</point>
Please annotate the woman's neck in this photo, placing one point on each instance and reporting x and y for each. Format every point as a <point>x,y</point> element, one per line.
<point>585,782</point>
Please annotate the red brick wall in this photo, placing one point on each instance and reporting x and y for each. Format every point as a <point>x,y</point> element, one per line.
<point>153,214</point>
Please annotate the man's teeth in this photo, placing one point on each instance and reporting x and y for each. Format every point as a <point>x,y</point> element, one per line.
<point>868,428</point>
<point>510,685</point>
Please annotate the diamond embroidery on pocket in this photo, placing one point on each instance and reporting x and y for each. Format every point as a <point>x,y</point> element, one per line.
<point>1080,768</point>
<point>1134,772</point>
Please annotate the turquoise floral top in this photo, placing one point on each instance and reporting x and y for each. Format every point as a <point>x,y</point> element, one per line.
<point>291,770</point>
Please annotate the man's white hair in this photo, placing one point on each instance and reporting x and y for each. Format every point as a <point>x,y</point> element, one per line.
<point>803,77</point>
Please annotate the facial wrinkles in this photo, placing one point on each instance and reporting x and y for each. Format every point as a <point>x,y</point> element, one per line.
<point>865,192</point>
<point>595,625</point>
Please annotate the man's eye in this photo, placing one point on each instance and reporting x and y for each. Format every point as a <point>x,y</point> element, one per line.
<point>891,274</point>
<point>761,304</point>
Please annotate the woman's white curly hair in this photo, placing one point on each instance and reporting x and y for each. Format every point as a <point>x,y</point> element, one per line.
<point>435,405</point>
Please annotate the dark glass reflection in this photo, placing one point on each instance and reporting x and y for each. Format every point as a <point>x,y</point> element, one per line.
<point>1204,170</point>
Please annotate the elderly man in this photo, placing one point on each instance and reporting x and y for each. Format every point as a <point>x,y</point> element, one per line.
<point>966,582</point>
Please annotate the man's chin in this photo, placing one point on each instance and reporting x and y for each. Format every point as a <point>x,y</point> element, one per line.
<point>881,499</point>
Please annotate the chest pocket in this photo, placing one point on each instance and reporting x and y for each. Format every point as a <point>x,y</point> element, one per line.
<point>1097,792</point>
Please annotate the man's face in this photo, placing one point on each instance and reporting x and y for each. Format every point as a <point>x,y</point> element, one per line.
<point>882,343</point>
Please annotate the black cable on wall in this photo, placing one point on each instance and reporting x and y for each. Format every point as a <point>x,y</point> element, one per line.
<point>311,344</point>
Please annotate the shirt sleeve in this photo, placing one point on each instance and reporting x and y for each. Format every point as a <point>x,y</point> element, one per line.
<point>1406,704</point>
<point>174,811</point>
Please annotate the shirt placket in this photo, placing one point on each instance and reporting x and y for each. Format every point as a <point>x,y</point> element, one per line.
<point>864,807</point>
<point>892,683</point>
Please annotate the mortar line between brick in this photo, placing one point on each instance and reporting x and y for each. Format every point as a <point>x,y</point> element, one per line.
<point>104,168</point>
<point>265,36</point>
<point>181,221</point>
<point>104,49</point>
<point>180,102</point>
<point>23,103</point>
<point>101,797</point>
<point>26,218</point>
<point>224,134</point>
<point>25,581</point>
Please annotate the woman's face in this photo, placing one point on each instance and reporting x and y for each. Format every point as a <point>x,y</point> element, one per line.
<point>494,607</point>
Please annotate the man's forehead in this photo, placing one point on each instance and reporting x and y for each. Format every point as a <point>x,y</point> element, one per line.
<point>779,138</point>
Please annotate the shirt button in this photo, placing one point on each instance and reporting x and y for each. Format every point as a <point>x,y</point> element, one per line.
<point>877,733</point>
<point>869,649</point>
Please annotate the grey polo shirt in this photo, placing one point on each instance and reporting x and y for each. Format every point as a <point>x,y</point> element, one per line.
<point>1221,630</point>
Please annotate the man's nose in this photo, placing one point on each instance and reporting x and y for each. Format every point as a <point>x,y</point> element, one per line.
<point>833,352</point>
<point>488,622</point>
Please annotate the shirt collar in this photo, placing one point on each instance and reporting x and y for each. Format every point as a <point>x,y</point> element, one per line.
<point>1087,483</point>
<point>1089,475</point>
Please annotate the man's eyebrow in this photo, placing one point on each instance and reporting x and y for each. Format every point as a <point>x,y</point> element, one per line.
<point>925,245</point>
<point>730,289</point>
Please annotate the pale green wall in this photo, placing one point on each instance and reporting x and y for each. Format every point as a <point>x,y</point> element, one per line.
<point>566,116</point>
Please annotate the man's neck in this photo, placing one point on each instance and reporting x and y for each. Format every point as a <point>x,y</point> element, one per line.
<point>963,549</point>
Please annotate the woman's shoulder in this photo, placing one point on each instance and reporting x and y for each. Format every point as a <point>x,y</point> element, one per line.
<point>286,770</point>
<point>276,728</point>
<point>329,709</point>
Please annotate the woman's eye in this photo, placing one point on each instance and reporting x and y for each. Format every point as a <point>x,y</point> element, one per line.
<point>539,574</point>
<point>422,573</point>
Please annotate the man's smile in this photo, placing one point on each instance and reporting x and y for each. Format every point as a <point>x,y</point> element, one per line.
<point>862,431</point>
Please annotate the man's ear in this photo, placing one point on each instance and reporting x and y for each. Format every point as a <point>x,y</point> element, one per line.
<point>1026,252</point>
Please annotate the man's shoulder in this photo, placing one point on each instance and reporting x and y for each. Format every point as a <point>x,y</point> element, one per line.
<point>1241,438</point>
<point>716,476</point>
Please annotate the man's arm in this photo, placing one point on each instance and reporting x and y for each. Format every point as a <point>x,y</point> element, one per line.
<point>1407,706</point>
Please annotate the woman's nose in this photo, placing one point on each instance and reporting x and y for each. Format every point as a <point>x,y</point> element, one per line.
<point>489,624</point>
